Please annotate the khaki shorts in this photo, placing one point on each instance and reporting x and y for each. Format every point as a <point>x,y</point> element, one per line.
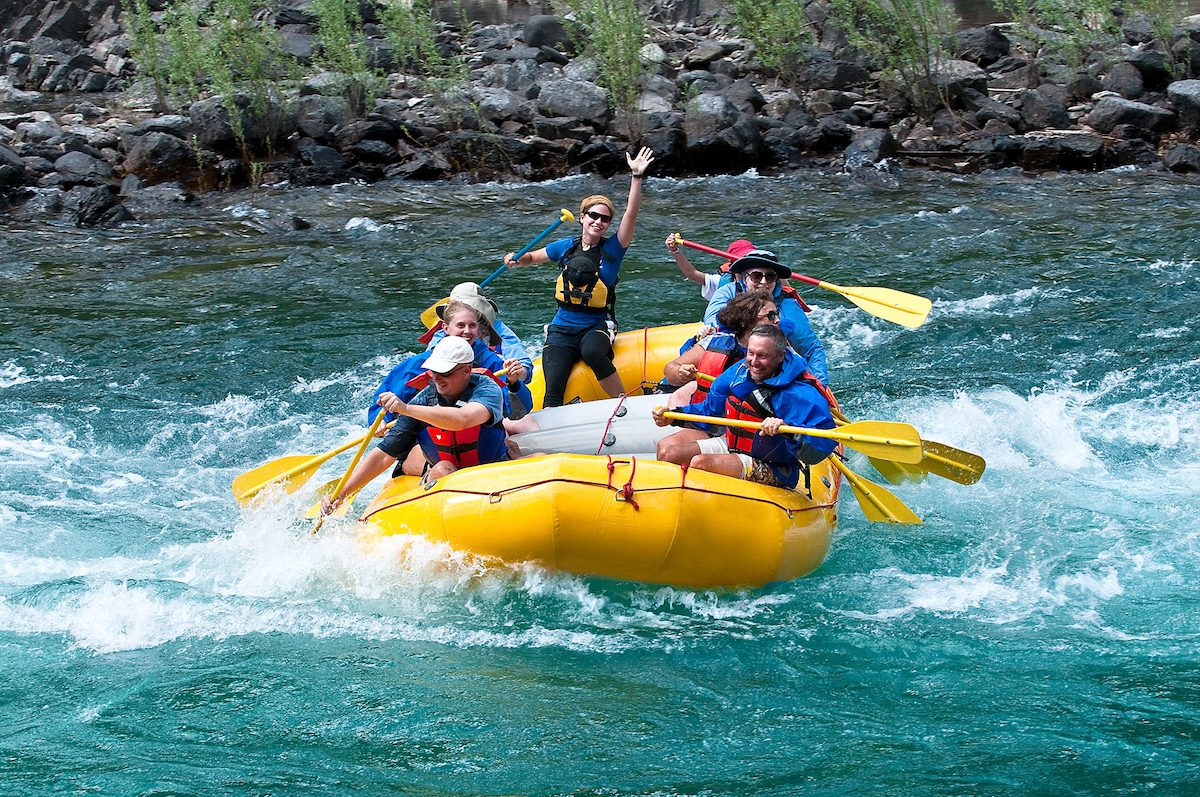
<point>753,470</point>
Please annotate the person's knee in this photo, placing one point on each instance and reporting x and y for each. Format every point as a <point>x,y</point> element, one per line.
<point>596,351</point>
<point>414,464</point>
<point>439,470</point>
<point>675,451</point>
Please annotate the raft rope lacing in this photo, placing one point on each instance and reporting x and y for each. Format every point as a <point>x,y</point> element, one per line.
<point>626,491</point>
<point>608,424</point>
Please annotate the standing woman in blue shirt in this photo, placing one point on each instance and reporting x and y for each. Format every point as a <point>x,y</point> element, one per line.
<point>586,288</point>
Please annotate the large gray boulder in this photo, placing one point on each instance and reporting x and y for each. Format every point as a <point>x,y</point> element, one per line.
<point>501,105</point>
<point>1185,96</point>
<point>720,138</point>
<point>545,30</point>
<point>158,157</point>
<point>100,207</point>
<point>1125,79</point>
<point>317,114</point>
<point>952,76</point>
<point>79,167</point>
<point>587,102</point>
<point>257,123</point>
<point>1041,110</point>
<point>1112,111</point>
<point>983,46</point>
<point>870,145</point>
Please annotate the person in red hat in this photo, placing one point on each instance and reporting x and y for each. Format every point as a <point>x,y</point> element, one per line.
<point>709,283</point>
<point>759,271</point>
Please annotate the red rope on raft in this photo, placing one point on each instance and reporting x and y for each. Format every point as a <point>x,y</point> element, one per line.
<point>608,425</point>
<point>626,490</point>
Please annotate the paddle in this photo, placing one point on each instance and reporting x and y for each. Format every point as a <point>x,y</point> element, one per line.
<point>325,489</point>
<point>940,459</point>
<point>429,316</point>
<point>905,309</point>
<point>899,441</point>
<point>366,441</point>
<point>877,503</point>
<point>293,471</point>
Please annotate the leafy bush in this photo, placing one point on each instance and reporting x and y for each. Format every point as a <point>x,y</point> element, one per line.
<point>615,31</point>
<point>344,51</point>
<point>781,32</point>
<point>908,39</point>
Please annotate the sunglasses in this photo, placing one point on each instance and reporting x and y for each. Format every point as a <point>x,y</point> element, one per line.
<point>773,315</point>
<point>600,217</point>
<point>761,276</point>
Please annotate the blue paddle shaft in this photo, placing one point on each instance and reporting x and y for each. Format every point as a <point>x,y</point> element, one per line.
<point>524,251</point>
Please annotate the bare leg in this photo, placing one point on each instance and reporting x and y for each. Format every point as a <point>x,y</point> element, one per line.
<point>442,468</point>
<point>612,385</point>
<point>414,463</point>
<point>526,424</point>
<point>680,447</point>
<point>726,464</point>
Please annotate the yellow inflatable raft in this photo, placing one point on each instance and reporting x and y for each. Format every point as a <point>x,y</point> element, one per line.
<point>639,355</point>
<point>621,517</point>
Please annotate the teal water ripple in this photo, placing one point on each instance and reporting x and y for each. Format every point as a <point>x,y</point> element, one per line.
<point>1035,636</point>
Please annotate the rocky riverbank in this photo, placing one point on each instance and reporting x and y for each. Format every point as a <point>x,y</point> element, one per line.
<point>81,136</point>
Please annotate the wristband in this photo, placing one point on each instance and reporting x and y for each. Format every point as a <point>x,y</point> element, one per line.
<point>637,176</point>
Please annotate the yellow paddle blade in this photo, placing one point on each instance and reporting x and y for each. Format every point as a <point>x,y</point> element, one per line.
<point>952,463</point>
<point>878,504</point>
<point>898,472</point>
<point>894,472</point>
<point>899,442</point>
<point>291,472</point>
<point>429,316</point>
<point>905,309</point>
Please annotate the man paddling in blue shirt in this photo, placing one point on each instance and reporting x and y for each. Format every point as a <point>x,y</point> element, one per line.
<point>772,386</point>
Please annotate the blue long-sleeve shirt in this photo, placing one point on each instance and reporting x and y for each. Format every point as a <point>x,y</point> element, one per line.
<point>793,322</point>
<point>791,399</point>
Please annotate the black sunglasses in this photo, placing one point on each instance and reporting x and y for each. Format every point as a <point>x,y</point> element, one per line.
<point>599,216</point>
<point>773,315</point>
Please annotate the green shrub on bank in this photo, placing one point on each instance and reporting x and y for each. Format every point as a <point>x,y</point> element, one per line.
<point>906,39</point>
<point>781,32</point>
<point>344,52</point>
<point>614,32</point>
<point>1075,31</point>
<point>211,48</point>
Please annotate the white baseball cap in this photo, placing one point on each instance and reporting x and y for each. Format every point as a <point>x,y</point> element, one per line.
<point>449,353</point>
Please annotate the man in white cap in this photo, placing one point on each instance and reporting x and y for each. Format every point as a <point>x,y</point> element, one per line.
<point>457,420</point>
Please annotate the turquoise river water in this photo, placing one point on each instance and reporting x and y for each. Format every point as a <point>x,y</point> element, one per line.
<point>1039,634</point>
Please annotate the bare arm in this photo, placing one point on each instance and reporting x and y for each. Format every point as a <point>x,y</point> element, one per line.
<point>682,369</point>
<point>527,259</point>
<point>453,419</point>
<point>638,168</point>
<point>685,266</point>
<point>374,463</point>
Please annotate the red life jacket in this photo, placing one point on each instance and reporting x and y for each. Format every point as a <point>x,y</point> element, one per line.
<point>757,407</point>
<point>460,448</point>
<point>791,293</point>
<point>713,362</point>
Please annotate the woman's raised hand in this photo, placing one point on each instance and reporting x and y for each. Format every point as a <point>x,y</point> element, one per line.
<point>639,164</point>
